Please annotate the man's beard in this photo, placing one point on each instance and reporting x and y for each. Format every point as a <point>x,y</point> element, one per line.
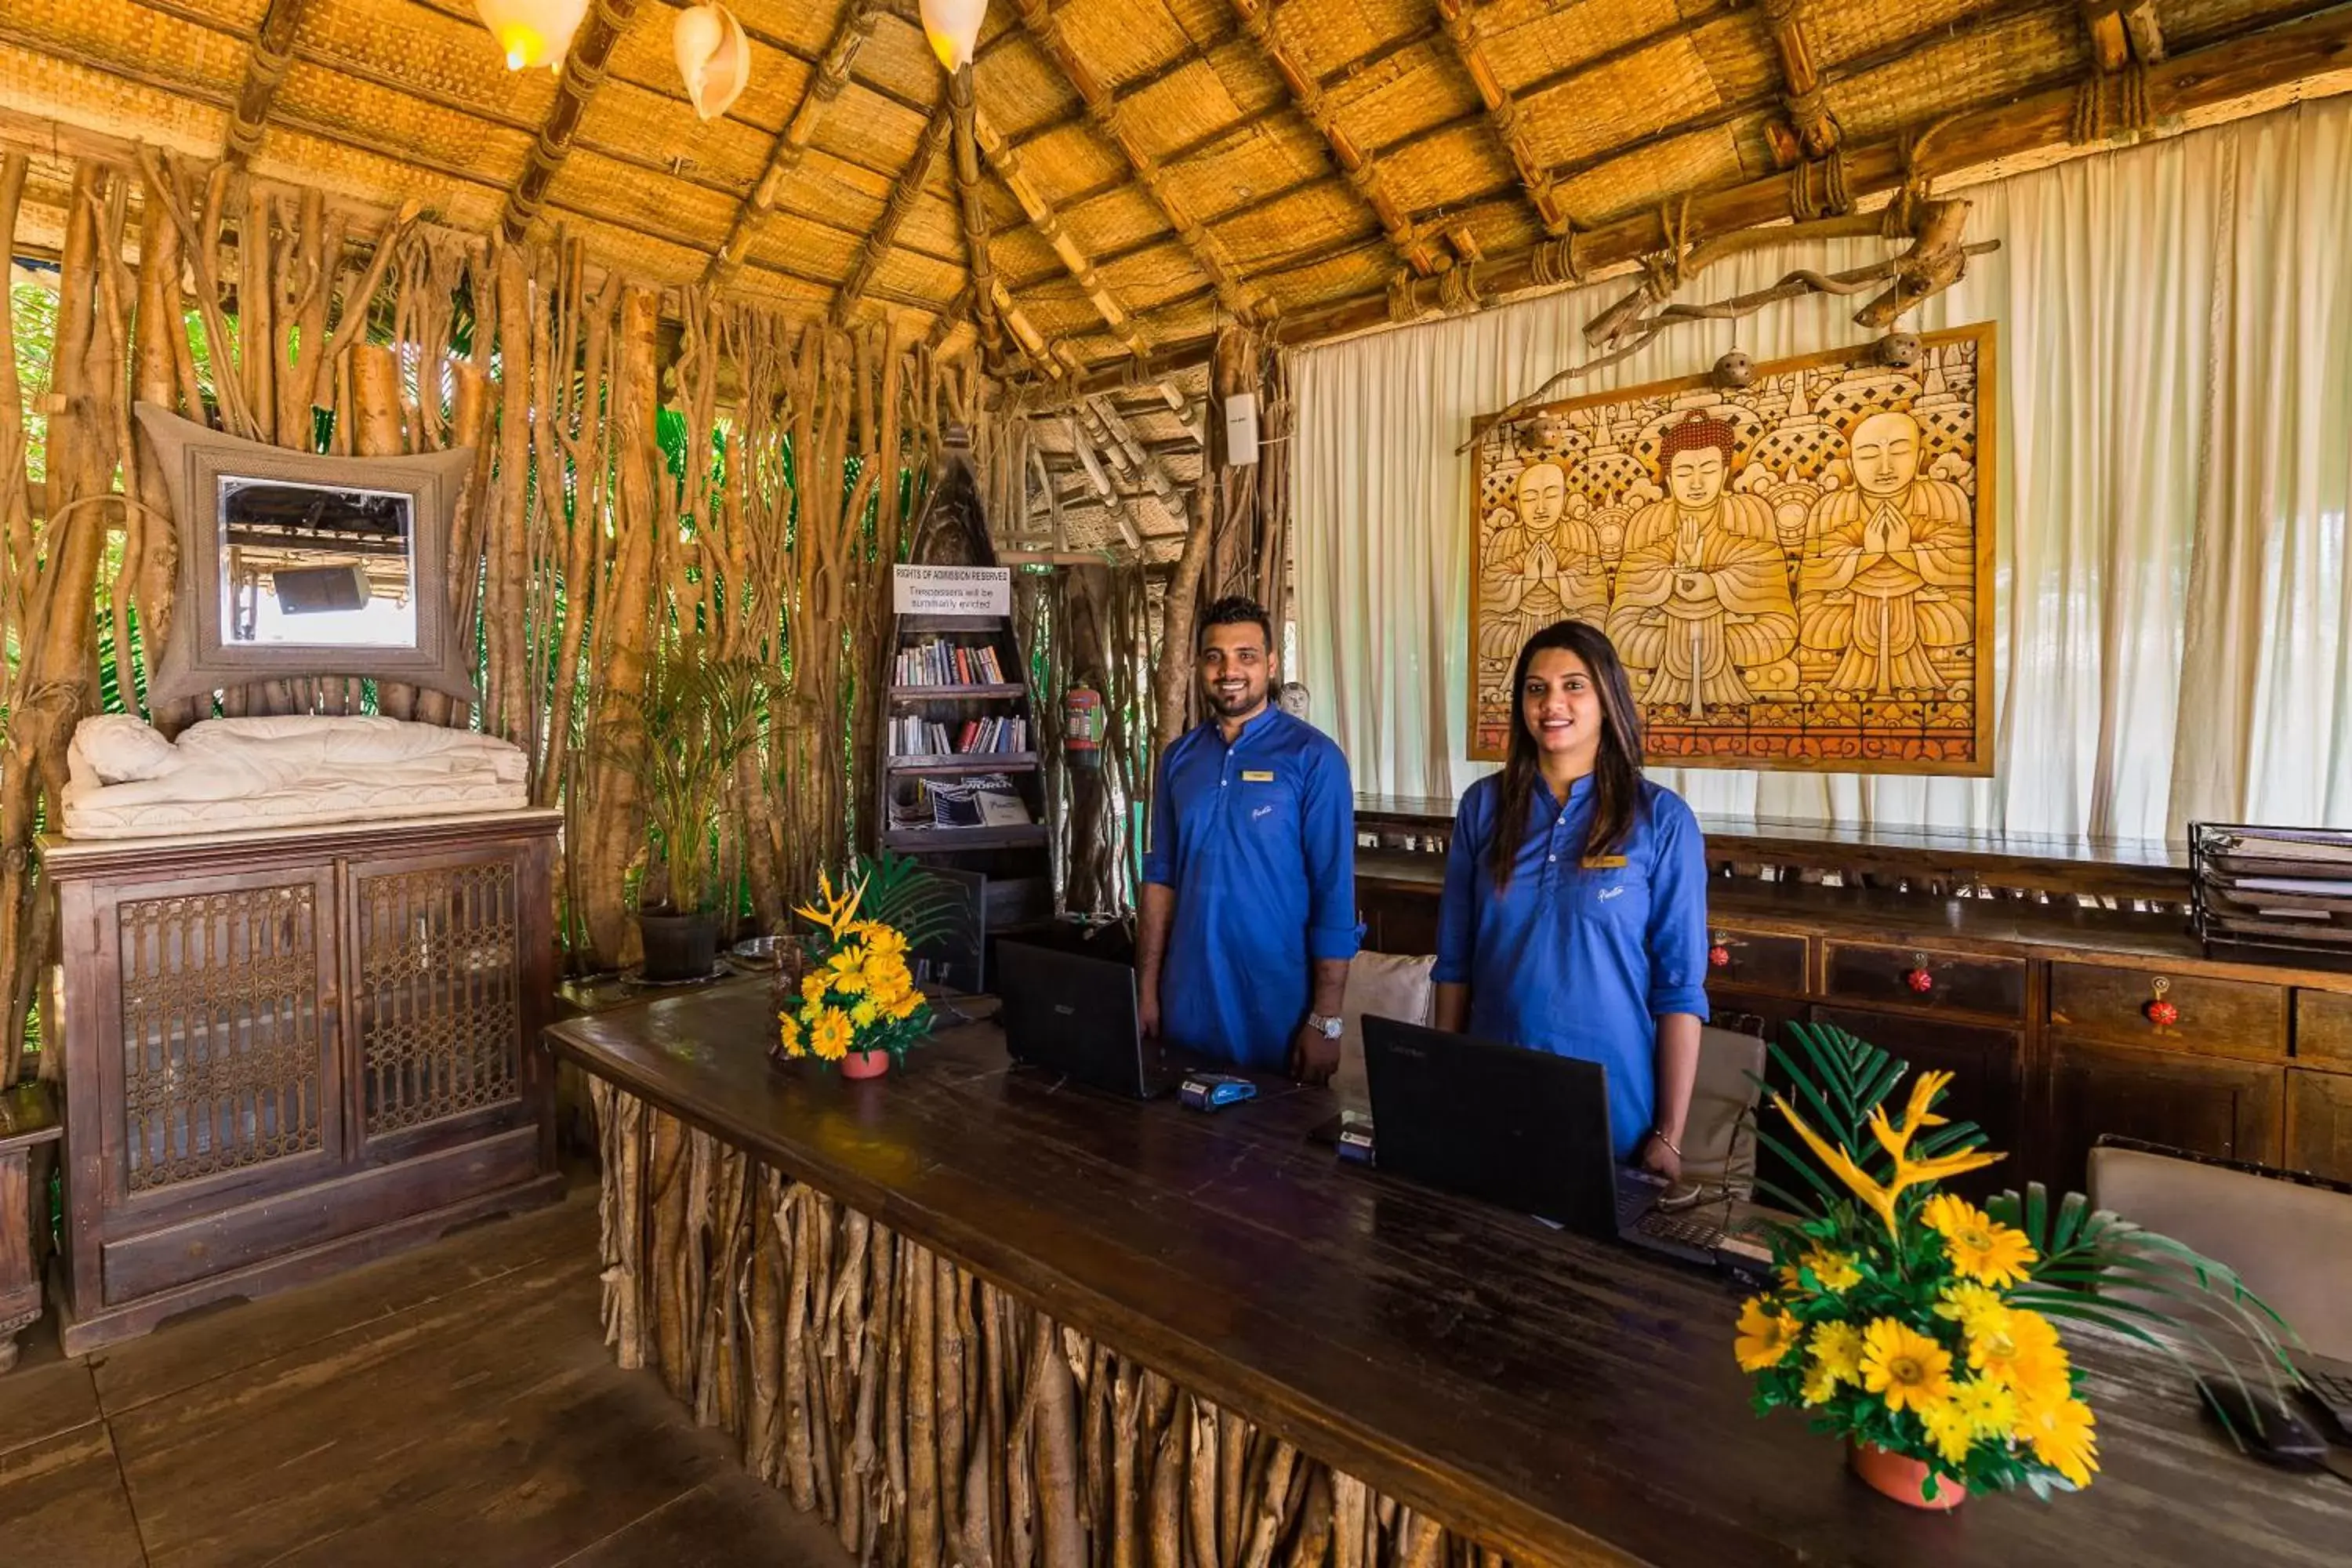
<point>1243,701</point>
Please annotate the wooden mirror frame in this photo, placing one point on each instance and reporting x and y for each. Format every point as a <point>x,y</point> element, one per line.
<point>196,661</point>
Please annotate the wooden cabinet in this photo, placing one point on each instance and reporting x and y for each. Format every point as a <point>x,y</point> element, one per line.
<point>1925,977</point>
<point>2319,1123</point>
<point>2323,1029</point>
<point>287,1051</point>
<point>2205,1105</point>
<point>2215,1017</point>
<point>1757,959</point>
<point>28,1137</point>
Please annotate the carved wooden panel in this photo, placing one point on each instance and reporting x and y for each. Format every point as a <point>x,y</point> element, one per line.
<point>221,1032</point>
<point>438,1009</point>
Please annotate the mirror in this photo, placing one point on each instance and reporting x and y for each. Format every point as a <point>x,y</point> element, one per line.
<point>313,566</point>
<point>298,566</point>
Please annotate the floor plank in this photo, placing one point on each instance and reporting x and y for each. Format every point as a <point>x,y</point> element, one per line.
<point>728,1522</point>
<point>37,1403</point>
<point>61,1501</point>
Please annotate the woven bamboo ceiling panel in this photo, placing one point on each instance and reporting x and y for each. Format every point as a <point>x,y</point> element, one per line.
<point>1150,168</point>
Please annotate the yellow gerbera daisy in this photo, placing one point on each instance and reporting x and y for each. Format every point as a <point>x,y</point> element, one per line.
<point>1836,1270</point>
<point>1837,1347</point>
<point>2026,1358</point>
<point>1977,1309</point>
<point>864,1014</point>
<point>813,985</point>
<point>903,1007</point>
<point>883,939</point>
<point>1979,1246</point>
<point>1904,1366</point>
<point>1821,1385</point>
<point>831,1037</point>
<point>1949,1430</point>
<point>2064,1437</point>
<point>788,1034</point>
<point>1991,1409</point>
<point>1766,1335</point>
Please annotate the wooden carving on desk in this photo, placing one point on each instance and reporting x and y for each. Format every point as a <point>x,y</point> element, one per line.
<point>1798,572</point>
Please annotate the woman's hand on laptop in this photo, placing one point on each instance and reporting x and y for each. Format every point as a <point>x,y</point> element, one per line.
<point>1147,1013</point>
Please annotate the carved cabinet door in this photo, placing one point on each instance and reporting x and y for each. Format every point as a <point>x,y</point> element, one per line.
<point>445,952</point>
<point>214,1039</point>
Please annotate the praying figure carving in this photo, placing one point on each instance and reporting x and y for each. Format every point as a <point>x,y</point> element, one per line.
<point>1889,574</point>
<point>1702,616</point>
<point>1543,565</point>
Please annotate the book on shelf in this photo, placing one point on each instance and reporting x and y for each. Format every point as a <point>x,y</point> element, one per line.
<point>937,662</point>
<point>982,800</point>
<point>911,736</point>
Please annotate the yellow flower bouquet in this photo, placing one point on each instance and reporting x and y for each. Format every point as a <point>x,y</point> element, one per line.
<point>1920,1327</point>
<point>858,1005</point>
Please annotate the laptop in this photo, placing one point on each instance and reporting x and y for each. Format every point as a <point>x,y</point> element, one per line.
<point>1525,1130</point>
<point>1076,1014</point>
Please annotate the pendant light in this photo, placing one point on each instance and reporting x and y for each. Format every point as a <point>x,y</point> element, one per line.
<point>712,55</point>
<point>953,28</point>
<point>533,32</point>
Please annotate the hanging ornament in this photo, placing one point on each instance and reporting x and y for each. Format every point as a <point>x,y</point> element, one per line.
<point>712,55</point>
<point>533,32</point>
<point>953,28</point>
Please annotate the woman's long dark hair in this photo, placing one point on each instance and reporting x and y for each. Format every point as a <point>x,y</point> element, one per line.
<point>1616,770</point>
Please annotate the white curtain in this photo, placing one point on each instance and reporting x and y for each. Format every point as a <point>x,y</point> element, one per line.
<point>2174,465</point>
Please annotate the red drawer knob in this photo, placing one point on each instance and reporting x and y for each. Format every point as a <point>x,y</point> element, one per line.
<point>2163,1014</point>
<point>1719,955</point>
<point>1918,978</point>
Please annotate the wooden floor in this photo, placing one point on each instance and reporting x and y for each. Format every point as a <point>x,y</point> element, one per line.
<point>454,1405</point>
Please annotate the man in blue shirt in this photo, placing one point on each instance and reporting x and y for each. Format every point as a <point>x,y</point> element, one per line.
<point>1249,889</point>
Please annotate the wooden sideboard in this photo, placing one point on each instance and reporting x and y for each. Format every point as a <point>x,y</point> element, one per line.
<point>2036,985</point>
<point>288,1051</point>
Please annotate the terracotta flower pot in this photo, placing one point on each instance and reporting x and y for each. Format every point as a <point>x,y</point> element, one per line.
<point>1904,1480</point>
<point>866,1063</point>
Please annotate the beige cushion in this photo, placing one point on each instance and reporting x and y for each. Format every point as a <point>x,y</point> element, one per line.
<point>1720,1136</point>
<point>1390,985</point>
<point>2291,1244</point>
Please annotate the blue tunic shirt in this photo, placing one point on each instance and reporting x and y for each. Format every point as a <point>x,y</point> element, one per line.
<point>1258,839</point>
<point>1579,957</point>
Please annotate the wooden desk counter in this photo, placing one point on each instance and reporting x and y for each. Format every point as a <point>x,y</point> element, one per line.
<point>1553,1399</point>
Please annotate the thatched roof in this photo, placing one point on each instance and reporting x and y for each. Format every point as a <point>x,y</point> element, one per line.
<point>1147,167</point>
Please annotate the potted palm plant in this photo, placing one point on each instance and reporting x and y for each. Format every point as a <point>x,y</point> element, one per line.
<point>697,717</point>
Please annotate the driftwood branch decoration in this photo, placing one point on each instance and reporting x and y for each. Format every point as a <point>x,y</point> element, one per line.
<point>1936,259</point>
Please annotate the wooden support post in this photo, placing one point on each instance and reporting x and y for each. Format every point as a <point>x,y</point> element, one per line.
<point>273,51</point>
<point>1464,33</point>
<point>584,73</point>
<point>1048,225</point>
<point>909,185</point>
<point>1809,131</point>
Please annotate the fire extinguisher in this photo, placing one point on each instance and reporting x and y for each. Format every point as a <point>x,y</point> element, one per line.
<point>1082,727</point>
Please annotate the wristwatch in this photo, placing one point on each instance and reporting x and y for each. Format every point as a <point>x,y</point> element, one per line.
<point>1330,1029</point>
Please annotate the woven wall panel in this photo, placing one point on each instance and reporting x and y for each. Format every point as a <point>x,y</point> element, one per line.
<point>1385,106</point>
<point>642,60</point>
<point>591,183</point>
<point>242,18</point>
<point>1325,211</point>
<point>1256,160</point>
<point>806,251</point>
<point>1839,33</point>
<point>1148,278</point>
<point>804,26</point>
<point>1634,183</point>
<point>446,59</point>
<point>1644,93</point>
<point>1326,35</point>
<point>1121,39</point>
<point>934,227</point>
<point>291,153</point>
<point>1023,89</point>
<point>331,103</point>
<point>1446,170</point>
<point>1120,218</point>
<point>149,44</point>
<point>874,132</point>
<point>904,276</point>
<point>2190,23</point>
<point>1529,40</point>
<point>1196,101</point>
<point>1364,269</point>
<point>643,128</point>
<point>897,62</point>
<point>2012,58</point>
<point>40,84</point>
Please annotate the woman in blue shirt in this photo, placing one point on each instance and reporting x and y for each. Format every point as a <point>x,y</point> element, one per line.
<point>1575,911</point>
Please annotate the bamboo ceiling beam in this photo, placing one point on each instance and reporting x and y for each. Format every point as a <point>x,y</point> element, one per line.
<point>1114,438</point>
<point>903,195</point>
<point>2122,31</point>
<point>1045,28</point>
<point>1048,225</point>
<point>2039,120</point>
<point>1809,131</point>
<point>824,85</point>
<point>1466,33</point>
<point>582,74</point>
<point>1358,166</point>
<point>273,51</point>
<point>988,298</point>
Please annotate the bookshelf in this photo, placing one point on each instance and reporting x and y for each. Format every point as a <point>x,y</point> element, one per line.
<point>960,740</point>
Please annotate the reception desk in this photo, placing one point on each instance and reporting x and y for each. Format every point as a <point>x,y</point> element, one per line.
<point>975,1316</point>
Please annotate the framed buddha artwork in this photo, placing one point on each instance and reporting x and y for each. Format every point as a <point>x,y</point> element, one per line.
<point>1798,572</point>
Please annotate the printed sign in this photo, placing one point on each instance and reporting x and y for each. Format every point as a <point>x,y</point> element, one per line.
<point>952,590</point>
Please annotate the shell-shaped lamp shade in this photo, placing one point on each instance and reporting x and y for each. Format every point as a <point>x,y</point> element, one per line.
<point>533,32</point>
<point>953,28</point>
<point>713,58</point>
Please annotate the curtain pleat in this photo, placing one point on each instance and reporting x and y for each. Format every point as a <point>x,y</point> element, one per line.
<point>2173,468</point>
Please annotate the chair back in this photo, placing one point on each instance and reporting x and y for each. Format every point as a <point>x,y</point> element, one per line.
<point>1719,1135</point>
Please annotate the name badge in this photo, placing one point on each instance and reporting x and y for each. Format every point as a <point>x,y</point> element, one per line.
<point>1250,776</point>
<point>1603,862</point>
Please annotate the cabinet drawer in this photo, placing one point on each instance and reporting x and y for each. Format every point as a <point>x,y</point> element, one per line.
<point>1959,981</point>
<point>2208,1106</point>
<point>2216,1017</point>
<point>1767,961</point>
<point>2323,1028</point>
<point>2319,1123</point>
